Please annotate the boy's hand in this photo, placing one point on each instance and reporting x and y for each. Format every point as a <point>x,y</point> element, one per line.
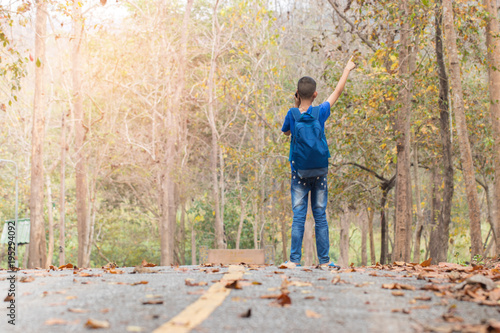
<point>297,99</point>
<point>350,65</point>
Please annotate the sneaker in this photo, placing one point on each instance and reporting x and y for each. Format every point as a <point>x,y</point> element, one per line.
<point>286,263</point>
<point>329,265</point>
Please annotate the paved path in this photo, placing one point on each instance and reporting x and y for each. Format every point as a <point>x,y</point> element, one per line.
<point>356,303</point>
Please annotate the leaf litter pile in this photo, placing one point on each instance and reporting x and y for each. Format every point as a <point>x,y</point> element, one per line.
<point>479,284</point>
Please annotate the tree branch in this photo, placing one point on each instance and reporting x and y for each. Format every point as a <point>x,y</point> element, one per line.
<point>345,18</point>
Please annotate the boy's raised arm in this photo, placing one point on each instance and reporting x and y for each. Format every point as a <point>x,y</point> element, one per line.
<point>341,84</point>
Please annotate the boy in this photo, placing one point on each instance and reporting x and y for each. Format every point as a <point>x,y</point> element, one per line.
<point>309,164</point>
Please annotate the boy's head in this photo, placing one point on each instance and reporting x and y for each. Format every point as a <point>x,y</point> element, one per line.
<point>306,88</point>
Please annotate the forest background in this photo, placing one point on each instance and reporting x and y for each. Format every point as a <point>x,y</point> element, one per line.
<point>145,129</point>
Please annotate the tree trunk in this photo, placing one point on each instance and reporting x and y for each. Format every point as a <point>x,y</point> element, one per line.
<point>491,215</point>
<point>371,213</point>
<point>193,245</point>
<point>493,47</point>
<point>182,234</point>
<point>242,209</point>
<point>418,200</point>
<point>463,135</point>
<point>167,229</point>
<point>386,187</point>
<point>344,237</point>
<point>364,258</point>
<point>255,226</point>
<point>37,251</point>
<point>219,223</point>
<point>445,134</point>
<point>62,209</point>
<point>51,222</point>
<point>83,219</point>
<point>383,228</point>
<point>438,238</point>
<point>403,199</point>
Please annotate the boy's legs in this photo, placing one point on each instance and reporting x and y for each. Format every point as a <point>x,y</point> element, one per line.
<point>300,192</point>
<point>319,199</point>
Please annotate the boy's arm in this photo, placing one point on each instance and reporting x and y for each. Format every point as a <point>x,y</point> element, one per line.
<point>297,104</point>
<point>341,84</point>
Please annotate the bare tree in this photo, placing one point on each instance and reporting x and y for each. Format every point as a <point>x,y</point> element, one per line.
<point>493,51</point>
<point>83,218</point>
<point>463,136</point>
<point>407,56</point>
<point>37,251</point>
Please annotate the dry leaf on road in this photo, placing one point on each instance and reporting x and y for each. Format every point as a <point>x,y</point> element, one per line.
<point>27,279</point>
<point>95,324</point>
<point>312,314</point>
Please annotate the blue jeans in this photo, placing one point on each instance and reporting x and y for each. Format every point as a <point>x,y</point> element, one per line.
<point>319,197</point>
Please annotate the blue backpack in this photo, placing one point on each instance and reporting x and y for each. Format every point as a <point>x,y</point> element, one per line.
<point>309,150</point>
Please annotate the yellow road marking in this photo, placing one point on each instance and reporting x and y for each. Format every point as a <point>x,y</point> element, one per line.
<point>200,310</point>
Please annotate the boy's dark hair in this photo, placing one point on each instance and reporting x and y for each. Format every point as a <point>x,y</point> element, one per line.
<point>306,87</point>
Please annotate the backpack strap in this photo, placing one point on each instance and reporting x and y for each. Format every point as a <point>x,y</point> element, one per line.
<point>315,112</point>
<point>296,114</point>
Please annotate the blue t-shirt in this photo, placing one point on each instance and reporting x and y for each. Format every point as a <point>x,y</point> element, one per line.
<point>289,124</point>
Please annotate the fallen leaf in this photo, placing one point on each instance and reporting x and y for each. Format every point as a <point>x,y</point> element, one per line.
<point>94,323</point>
<point>257,283</point>
<point>312,314</point>
<point>449,318</point>
<point>147,264</point>
<point>417,307</point>
<point>105,310</point>
<point>272,296</point>
<point>300,284</point>
<point>426,263</point>
<point>76,310</point>
<point>140,282</point>
<point>71,297</point>
<point>309,297</point>
<point>336,279</point>
<point>246,314</point>
<point>233,285</point>
<point>68,265</point>
<point>152,302</point>
<point>141,270</point>
<point>84,274</point>
<point>493,326</point>
<point>423,298</point>
<point>114,271</point>
<point>323,299</point>
<point>26,279</point>
<point>482,280</point>
<point>194,284</point>
<point>8,298</point>
<point>237,299</point>
<point>55,321</point>
<point>134,329</point>
<point>109,265</point>
<point>57,304</point>
<point>398,293</point>
<point>282,300</point>
<point>397,286</point>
